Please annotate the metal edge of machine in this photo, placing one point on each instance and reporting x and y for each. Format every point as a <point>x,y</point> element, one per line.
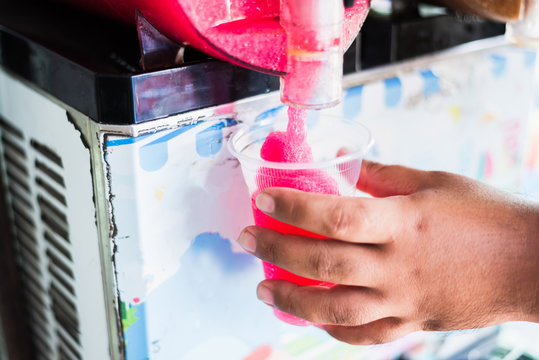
<point>350,80</point>
<point>390,70</point>
<point>92,136</point>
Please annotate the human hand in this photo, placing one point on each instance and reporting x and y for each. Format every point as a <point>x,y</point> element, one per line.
<point>431,251</point>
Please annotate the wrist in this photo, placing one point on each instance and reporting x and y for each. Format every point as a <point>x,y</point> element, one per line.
<point>532,312</point>
<point>519,261</point>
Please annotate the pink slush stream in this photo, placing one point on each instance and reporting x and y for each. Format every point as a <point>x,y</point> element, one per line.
<point>290,146</point>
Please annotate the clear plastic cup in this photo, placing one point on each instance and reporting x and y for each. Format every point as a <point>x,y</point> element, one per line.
<point>338,145</point>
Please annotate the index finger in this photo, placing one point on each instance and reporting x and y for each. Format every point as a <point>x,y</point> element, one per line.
<point>357,220</point>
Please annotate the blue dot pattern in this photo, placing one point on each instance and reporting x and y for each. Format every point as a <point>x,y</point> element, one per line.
<point>431,83</point>
<point>499,64</point>
<point>353,101</point>
<point>393,91</point>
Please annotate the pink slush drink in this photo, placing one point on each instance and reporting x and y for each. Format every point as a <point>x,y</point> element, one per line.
<point>286,159</point>
<point>326,185</point>
<point>290,146</point>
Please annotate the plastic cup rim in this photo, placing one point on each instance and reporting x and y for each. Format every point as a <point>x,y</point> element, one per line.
<point>245,159</point>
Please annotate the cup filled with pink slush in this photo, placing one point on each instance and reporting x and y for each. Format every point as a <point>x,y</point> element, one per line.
<point>307,151</point>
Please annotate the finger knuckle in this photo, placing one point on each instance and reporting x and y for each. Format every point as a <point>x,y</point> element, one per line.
<point>339,221</point>
<point>418,215</point>
<point>374,167</point>
<point>320,263</point>
<point>328,266</point>
<point>294,211</point>
<point>388,333</point>
<point>421,224</point>
<point>270,251</point>
<point>296,302</point>
<point>343,314</point>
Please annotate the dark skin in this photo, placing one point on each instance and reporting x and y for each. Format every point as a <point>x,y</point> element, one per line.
<point>429,251</point>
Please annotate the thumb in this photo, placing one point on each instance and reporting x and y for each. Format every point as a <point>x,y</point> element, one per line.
<point>381,180</point>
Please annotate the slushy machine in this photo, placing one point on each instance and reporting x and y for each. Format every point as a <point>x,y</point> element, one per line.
<point>124,202</point>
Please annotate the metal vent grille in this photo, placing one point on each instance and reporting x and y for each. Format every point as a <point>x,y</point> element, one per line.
<point>36,194</point>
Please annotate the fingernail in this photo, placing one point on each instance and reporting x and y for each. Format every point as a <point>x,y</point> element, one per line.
<point>247,241</point>
<point>264,294</point>
<point>265,203</point>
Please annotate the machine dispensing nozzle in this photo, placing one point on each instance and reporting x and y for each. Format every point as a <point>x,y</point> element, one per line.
<point>314,47</point>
